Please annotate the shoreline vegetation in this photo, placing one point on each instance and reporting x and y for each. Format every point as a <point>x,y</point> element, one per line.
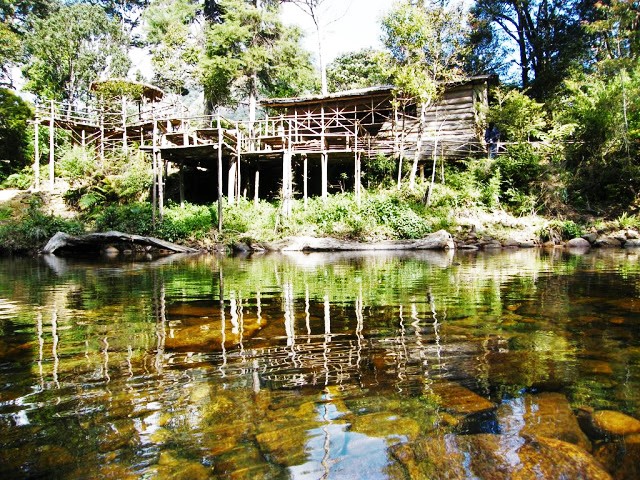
<point>385,220</point>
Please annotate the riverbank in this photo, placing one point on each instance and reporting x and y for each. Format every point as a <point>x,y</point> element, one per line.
<point>384,220</point>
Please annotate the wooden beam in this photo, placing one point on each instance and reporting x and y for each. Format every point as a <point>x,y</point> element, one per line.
<point>324,161</point>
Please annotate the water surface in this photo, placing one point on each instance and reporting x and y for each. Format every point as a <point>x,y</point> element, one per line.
<point>309,366</point>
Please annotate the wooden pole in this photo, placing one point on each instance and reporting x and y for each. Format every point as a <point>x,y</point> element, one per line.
<point>102,135</point>
<point>238,178</point>
<point>220,173</point>
<point>36,154</point>
<point>324,167</point>
<point>161,167</point>
<point>305,186</point>
<point>181,178</point>
<point>52,147</point>
<point>256,196</point>
<point>357,166</point>
<point>231,181</point>
<point>124,125</point>
<point>154,149</point>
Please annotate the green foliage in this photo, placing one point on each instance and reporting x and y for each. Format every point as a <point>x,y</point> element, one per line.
<point>379,171</point>
<point>625,221</point>
<point>518,117</point>
<point>364,68</point>
<point>34,229</point>
<point>558,230</point>
<point>245,218</point>
<point>95,184</point>
<point>134,218</point>
<point>251,51</point>
<point>175,49</point>
<point>185,222</point>
<point>20,180</point>
<point>71,48</point>
<point>15,134</point>
<point>607,137</point>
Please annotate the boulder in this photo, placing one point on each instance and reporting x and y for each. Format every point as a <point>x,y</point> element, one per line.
<point>607,242</point>
<point>591,237</point>
<point>613,423</point>
<point>578,243</point>
<point>544,415</point>
<point>632,235</point>
<point>460,400</point>
<point>527,244</point>
<point>621,457</point>
<point>632,243</point>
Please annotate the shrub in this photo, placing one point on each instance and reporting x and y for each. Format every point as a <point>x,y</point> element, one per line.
<point>186,221</point>
<point>557,230</point>
<point>136,218</point>
<point>34,229</point>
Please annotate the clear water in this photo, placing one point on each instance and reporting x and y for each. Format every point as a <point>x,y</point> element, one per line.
<point>303,366</point>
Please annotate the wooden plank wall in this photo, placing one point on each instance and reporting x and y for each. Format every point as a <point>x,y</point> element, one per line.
<point>454,121</point>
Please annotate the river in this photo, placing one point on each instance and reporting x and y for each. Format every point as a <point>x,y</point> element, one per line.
<point>309,366</point>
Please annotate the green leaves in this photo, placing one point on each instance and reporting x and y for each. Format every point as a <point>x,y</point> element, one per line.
<point>71,48</point>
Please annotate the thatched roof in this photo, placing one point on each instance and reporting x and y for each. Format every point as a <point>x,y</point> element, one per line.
<point>150,92</point>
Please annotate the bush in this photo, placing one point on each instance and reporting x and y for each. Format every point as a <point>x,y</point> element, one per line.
<point>187,221</point>
<point>136,218</point>
<point>34,229</point>
<point>557,230</point>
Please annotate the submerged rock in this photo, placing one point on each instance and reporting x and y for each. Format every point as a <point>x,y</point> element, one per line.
<point>613,423</point>
<point>545,415</point>
<point>496,457</point>
<point>458,399</point>
<point>621,457</point>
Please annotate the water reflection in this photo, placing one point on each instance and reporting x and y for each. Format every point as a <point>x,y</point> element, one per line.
<point>316,365</point>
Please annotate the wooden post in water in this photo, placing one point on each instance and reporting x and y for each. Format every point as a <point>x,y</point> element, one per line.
<point>36,153</point>
<point>52,133</point>
<point>218,123</point>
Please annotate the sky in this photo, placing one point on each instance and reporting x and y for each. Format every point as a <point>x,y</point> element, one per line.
<point>351,25</point>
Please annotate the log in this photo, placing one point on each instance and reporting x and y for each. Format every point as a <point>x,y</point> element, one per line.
<point>93,242</point>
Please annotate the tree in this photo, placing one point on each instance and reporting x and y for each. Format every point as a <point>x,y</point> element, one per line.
<point>427,42</point>
<point>16,18</point>
<point>366,68</point>
<point>322,13</point>
<point>174,43</point>
<point>547,35</point>
<point>251,52</point>
<point>15,114</point>
<point>71,48</point>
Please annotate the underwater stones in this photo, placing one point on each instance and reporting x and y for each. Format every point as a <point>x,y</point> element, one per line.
<point>496,457</point>
<point>621,457</point>
<point>170,465</point>
<point>458,399</point>
<point>385,424</point>
<point>285,446</point>
<point>613,423</point>
<point>546,415</point>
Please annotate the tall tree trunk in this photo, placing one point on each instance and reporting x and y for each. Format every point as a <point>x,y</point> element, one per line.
<point>418,152</point>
